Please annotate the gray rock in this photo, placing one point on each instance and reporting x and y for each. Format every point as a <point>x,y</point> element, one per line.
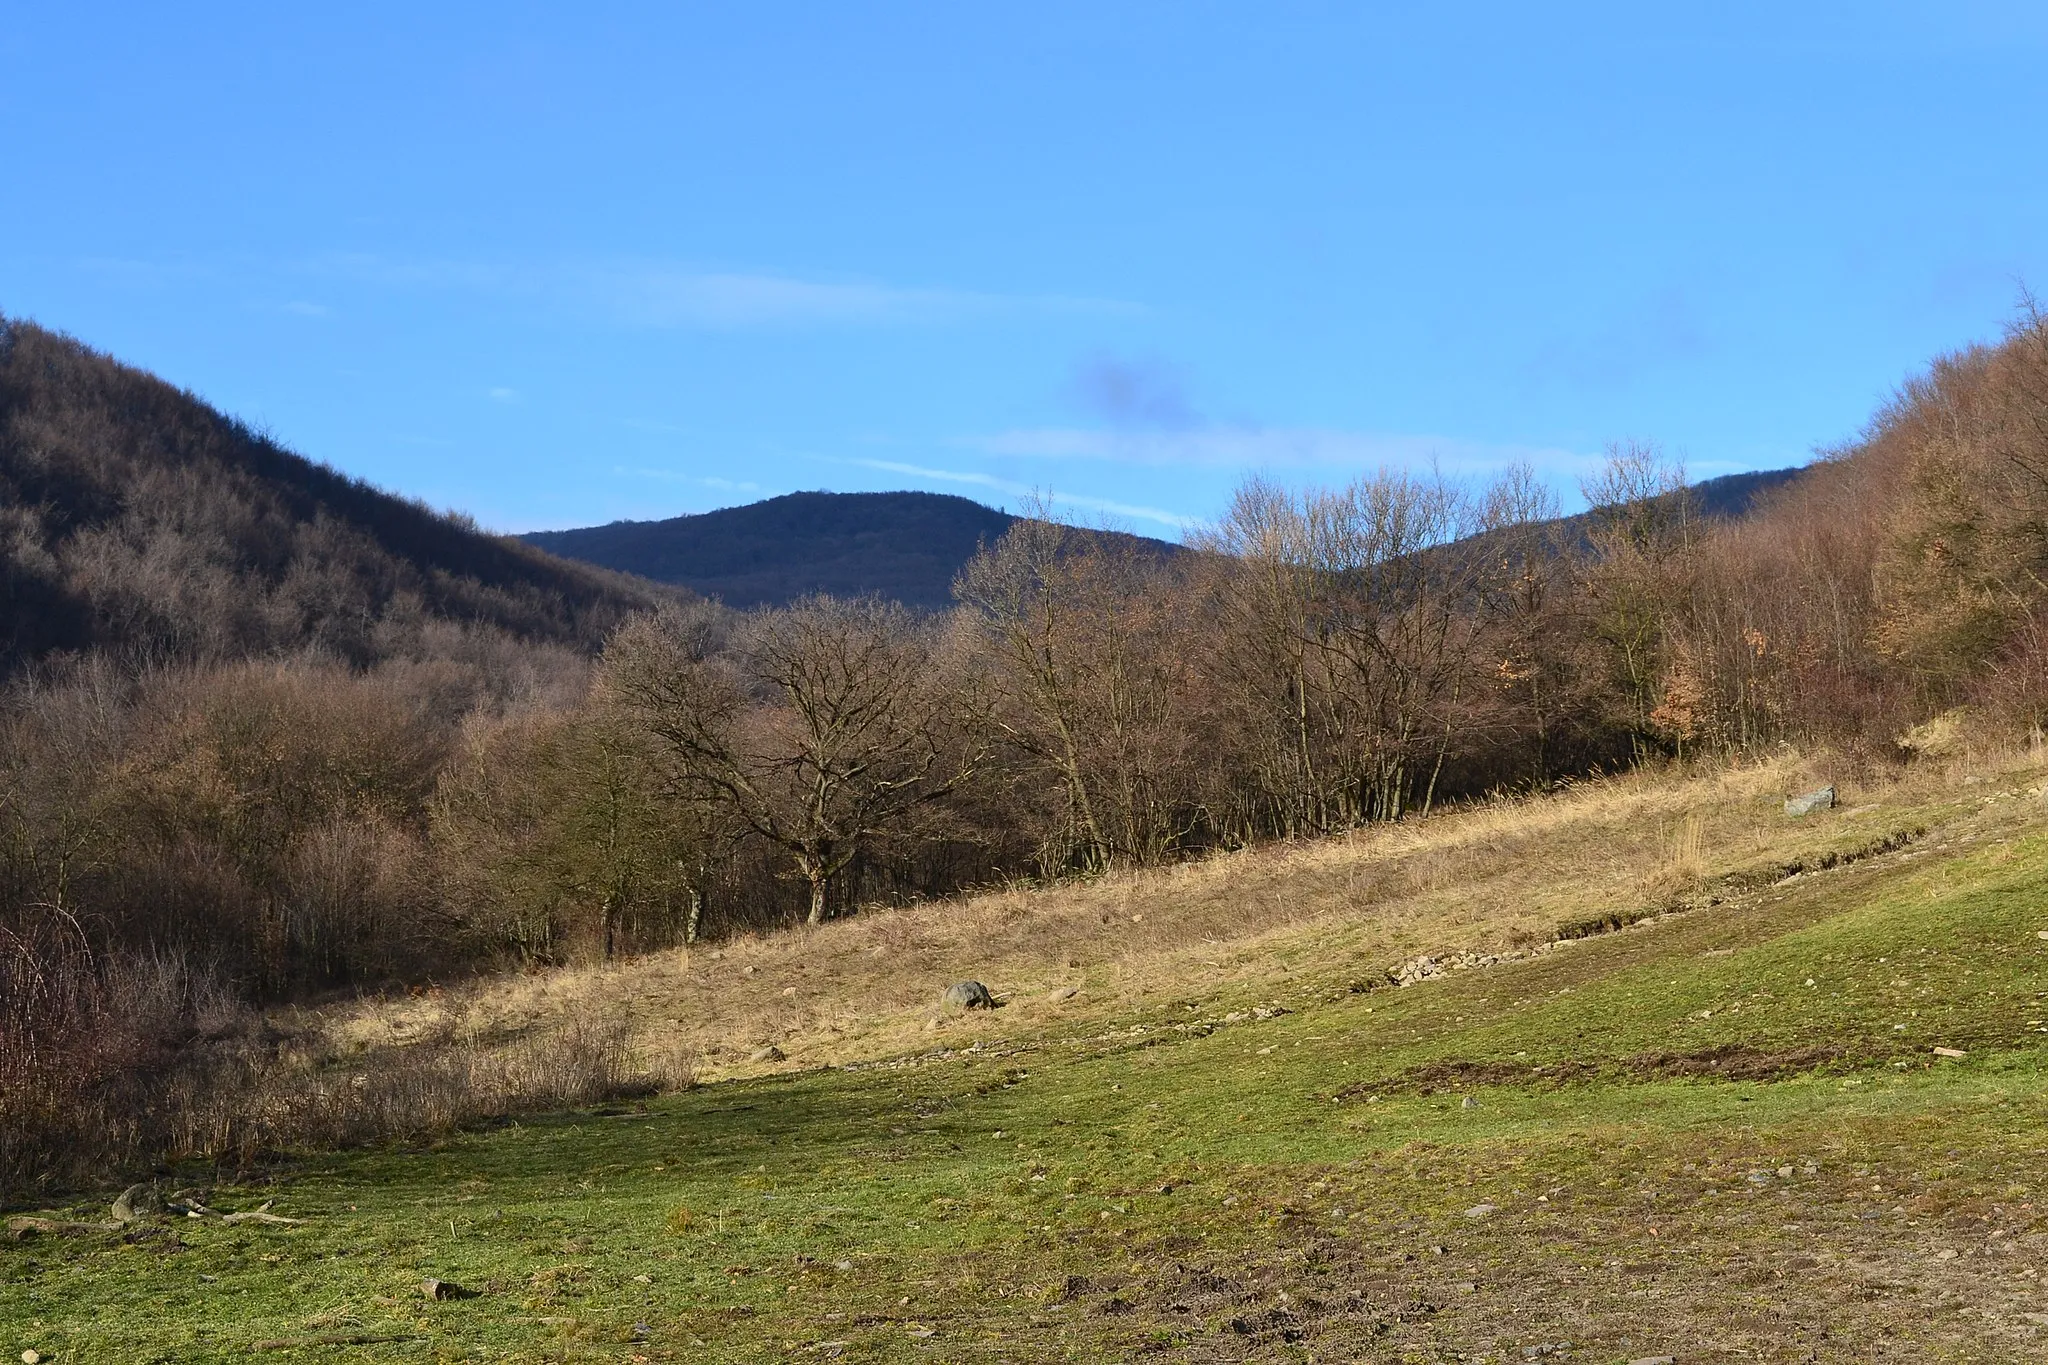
<point>136,1203</point>
<point>1654,1360</point>
<point>1824,799</point>
<point>770,1053</point>
<point>442,1290</point>
<point>1480,1211</point>
<point>1063,993</point>
<point>969,995</point>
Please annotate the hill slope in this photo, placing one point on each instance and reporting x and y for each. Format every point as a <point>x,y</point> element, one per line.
<point>133,517</point>
<point>904,546</point>
<point>1723,1132</point>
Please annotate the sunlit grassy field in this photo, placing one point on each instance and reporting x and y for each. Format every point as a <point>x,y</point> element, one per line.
<point>1722,1133</point>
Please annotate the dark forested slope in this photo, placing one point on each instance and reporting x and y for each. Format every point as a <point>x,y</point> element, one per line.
<point>907,547</point>
<point>135,518</point>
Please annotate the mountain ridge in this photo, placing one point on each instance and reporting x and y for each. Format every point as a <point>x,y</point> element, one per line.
<point>907,545</point>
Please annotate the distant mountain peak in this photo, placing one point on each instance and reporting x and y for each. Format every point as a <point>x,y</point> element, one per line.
<point>907,546</point>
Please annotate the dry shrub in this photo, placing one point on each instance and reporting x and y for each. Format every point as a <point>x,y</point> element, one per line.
<point>83,1041</point>
<point>111,1067</point>
<point>255,1101</point>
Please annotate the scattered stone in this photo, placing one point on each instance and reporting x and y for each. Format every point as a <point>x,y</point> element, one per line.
<point>20,1229</point>
<point>1063,993</point>
<point>968,995</point>
<point>1654,1360</point>
<point>1954,1052</point>
<point>1468,1103</point>
<point>1824,799</point>
<point>136,1203</point>
<point>770,1053</point>
<point>1430,966</point>
<point>749,969</point>
<point>1481,1211</point>
<point>1270,1011</point>
<point>31,1357</point>
<point>260,1214</point>
<point>789,992</point>
<point>440,1290</point>
<point>643,1279</point>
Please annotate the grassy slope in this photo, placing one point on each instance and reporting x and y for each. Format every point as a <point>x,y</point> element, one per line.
<point>1688,1149</point>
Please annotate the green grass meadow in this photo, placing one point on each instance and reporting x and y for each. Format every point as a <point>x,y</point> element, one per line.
<point>1720,1135</point>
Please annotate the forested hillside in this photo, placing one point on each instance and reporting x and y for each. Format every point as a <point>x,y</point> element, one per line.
<point>138,521</point>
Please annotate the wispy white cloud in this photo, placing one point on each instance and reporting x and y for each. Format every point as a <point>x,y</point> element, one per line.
<point>667,294</point>
<point>303,308</point>
<point>723,485</point>
<point>975,479</point>
<point>502,394</point>
<point>1281,448</point>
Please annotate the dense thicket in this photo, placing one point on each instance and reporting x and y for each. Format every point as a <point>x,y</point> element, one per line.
<point>216,827</point>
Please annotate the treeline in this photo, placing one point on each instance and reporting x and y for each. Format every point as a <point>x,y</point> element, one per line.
<point>178,837</point>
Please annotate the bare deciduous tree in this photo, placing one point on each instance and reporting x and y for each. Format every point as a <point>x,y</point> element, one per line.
<point>821,728</point>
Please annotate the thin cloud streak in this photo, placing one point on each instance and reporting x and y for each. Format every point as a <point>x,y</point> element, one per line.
<point>661,296</point>
<point>1018,490</point>
<point>1220,447</point>
<point>665,295</point>
<point>723,485</point>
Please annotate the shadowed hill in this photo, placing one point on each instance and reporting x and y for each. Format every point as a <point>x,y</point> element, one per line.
<point>904,546</point>
<point>135,518</point>
<point>1736,495</point>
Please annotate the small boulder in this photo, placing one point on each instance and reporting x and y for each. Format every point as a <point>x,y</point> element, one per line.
<point>136,1203</point>
<point>1824,799</point>
<point>770,1053</point>
<point>1478,1211</point>
<point>441,1290</point>
<point>1064,993</point>
<point>968,995</point>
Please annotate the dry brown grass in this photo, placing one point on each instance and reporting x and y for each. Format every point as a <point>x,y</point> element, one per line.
<point>1499,875</point>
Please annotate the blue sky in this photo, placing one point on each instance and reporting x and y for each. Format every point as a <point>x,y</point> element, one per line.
<point>555,265</point>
